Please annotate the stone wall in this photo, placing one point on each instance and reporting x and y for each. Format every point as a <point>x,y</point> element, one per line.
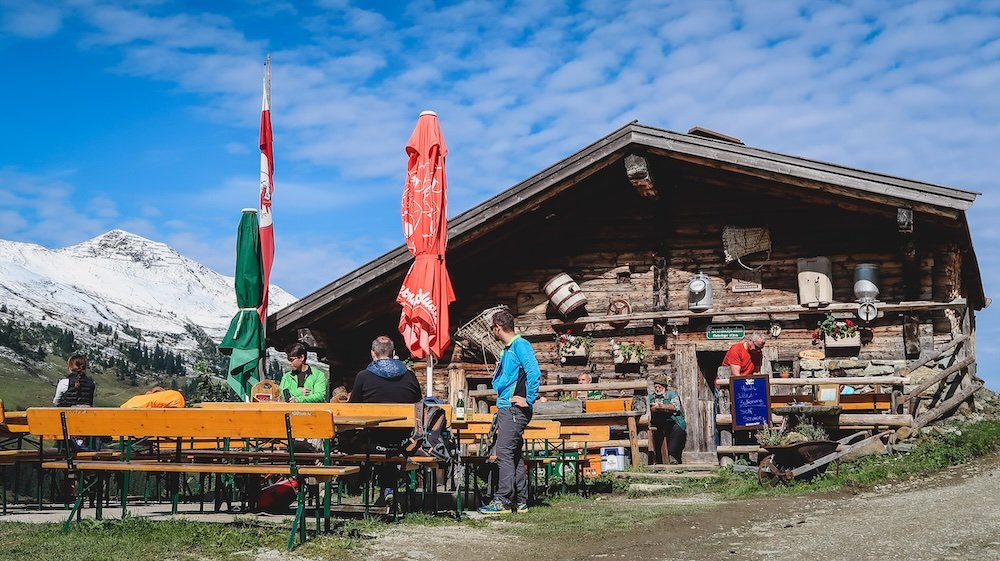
<point>832,367</point>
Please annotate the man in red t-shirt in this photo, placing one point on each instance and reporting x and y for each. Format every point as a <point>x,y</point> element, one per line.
<point>745,358</point>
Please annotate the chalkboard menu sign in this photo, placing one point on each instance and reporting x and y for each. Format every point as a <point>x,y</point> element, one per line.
<point>751,402</point>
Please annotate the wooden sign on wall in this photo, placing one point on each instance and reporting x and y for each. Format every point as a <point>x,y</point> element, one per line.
<point>746,281</point>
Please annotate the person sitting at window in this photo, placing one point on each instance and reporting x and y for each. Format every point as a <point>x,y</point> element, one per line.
<point>586,378</point>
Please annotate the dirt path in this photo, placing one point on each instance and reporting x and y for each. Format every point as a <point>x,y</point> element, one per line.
<point>952,514</point>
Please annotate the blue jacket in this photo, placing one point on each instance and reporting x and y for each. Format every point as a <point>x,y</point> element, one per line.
<point>517,373</point>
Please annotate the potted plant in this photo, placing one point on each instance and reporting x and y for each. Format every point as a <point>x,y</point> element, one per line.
<point>628,352</point>
<point>571,346</point>
<point>837,332</point>
<point>784,371</point>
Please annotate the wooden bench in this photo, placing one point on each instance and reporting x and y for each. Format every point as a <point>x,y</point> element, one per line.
<point>607,405</point>
<point>352,416</point>
<point>868,402</point>
<point>180,424</point>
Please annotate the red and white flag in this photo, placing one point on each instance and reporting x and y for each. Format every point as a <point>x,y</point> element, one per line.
<point>266,188</point>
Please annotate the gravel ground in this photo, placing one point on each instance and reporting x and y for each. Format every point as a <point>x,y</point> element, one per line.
<point>953,514</point>
<point>949,515</point>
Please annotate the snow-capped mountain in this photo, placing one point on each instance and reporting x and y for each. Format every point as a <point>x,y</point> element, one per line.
<point>118,279</point>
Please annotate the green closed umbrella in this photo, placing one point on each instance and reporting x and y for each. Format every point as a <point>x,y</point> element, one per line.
<point>244,341</point>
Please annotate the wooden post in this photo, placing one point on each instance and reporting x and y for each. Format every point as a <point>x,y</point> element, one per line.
<point>633,440</point>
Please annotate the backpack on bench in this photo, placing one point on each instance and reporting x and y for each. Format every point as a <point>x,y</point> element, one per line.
<point>431,437</point>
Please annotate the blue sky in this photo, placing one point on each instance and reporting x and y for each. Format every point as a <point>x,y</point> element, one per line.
<point>142,115</point>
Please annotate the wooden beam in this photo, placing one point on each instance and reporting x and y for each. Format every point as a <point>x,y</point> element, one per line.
<point>843,420</point>
<point>550,388</point>
<point>739,449</point>
<point>947,406</point>
<point>633,440</point>
<point>848,380</point>
<point>811,175</point>
<point>915,393</point>
<point>764,311</point>
<point>637,170</point>
<point>937,354</point>
<point>904,220</point>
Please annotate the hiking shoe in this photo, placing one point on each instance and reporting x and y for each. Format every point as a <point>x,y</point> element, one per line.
<point>384,499</point>
<point>522,507</point>
<point>495,507</point>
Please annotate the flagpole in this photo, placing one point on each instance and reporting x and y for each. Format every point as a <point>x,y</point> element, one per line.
<point>430,374</point>
<point>265,205</point>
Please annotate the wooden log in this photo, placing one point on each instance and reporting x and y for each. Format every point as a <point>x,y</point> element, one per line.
<point>915,393</point>
<point>725,421</point>
<point>633,438</point>
<point>764,311</point>
<point>843,420</point>
<point>549,388</point>
<point>946,406</point>
<point>910,367</point>
<point>847,380</point>
<point>739,449</point>
<point>695,474</point>
<point>637,170</point>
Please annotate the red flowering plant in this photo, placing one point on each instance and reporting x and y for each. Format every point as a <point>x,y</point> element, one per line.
<point>834,328</point>
<point>568,342</point>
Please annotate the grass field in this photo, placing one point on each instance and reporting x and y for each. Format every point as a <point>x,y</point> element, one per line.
<point>34,385</point>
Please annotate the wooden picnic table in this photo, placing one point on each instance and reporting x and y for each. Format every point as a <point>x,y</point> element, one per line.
<point>364,421</point>
<point>629,417</point>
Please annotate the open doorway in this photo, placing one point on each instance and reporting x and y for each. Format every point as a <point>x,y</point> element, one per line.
<point>708,364</point>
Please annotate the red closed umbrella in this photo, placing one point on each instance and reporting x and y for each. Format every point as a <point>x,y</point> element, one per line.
<point>426,291</point>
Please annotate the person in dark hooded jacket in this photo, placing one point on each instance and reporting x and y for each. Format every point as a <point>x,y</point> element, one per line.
<point>386,380</point>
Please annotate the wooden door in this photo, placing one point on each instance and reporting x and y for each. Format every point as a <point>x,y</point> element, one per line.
<point>697,398</point>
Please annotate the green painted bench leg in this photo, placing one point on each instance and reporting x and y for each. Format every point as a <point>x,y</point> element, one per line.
<point>316,510</point>
<point>328,487</point>
<point>99,493</point>
<point>76,509</point>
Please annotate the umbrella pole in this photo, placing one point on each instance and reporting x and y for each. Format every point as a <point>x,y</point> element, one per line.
<point>430,374</point>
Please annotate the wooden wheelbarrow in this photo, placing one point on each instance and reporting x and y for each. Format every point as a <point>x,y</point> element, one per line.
<point>804,460</point>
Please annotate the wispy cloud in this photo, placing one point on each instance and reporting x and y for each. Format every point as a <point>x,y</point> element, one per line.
<point>43,209</point>
<point>905,87</point>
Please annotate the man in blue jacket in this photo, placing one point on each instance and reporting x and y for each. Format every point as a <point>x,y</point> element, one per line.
<point>516,382</point>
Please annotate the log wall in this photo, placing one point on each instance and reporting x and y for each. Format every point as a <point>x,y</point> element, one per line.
<point>616,244</point>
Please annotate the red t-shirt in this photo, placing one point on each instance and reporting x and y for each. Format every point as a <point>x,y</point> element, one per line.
<point>748,361</point>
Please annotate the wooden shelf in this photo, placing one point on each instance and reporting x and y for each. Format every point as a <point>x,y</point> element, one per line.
<point>764,311</point>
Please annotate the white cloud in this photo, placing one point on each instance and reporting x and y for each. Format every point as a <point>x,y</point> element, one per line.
<point>907,89</point>
<point>30,19</point>
<point>48,212</point>
<point>237,148</point>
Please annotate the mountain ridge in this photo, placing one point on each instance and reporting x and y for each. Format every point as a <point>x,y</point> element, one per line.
<point>119,279</point>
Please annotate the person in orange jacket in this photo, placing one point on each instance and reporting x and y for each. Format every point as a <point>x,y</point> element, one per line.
<point>156,397</point>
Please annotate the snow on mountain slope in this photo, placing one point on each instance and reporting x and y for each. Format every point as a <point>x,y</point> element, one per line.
<point>119,278</point>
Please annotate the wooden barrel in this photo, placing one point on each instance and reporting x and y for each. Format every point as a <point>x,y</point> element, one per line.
<point>564,293</point>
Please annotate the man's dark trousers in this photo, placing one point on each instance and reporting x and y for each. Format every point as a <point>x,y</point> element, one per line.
<point>513,483</point>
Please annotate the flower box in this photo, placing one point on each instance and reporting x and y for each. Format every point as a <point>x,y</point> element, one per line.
<point>619,359</point>
<point>574,349</point>
<point>843,342</point>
